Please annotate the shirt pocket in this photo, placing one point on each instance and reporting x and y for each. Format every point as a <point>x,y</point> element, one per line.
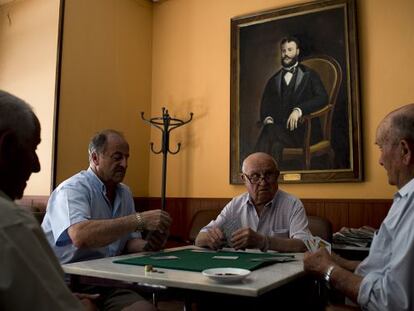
<point>280,233</point>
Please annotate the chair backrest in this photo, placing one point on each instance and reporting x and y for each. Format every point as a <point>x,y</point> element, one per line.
<point>320,227</point>
<point>330,73</point>
<point>200,219</point>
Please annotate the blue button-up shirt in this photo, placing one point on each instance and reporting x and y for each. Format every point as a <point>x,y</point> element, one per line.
<point>388,271</point>
<point>79,198</point>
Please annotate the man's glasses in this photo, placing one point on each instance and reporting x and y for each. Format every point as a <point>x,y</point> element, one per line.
<point>269,177</point>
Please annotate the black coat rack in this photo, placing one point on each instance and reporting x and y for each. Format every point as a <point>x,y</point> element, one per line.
<point>165,124</point>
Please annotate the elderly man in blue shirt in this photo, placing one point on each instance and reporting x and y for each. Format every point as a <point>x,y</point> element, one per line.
<point>92,215</point>
<point>384,280</point>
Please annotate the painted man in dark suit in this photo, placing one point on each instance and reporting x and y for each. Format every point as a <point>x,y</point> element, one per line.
<point>294,91</point>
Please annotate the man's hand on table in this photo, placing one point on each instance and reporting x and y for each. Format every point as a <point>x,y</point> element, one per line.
<point>215,238</point>
<point>246,238</point>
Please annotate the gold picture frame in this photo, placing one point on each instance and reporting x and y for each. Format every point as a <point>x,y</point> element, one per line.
<point>325,35</point>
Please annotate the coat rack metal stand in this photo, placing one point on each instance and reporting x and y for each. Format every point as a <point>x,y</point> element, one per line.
<point>165,124</point>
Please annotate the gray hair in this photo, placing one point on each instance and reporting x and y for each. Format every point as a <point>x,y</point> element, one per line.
<point>402,124</point>
<point>17,116</point>
<point>99,141</point>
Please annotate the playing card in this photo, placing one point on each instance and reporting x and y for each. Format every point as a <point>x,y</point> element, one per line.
<point>203,251</point>
<point>322,243</point>
<point>226,257</point>
<point>164,257</point>
<point>229,227</point>
<point>314,243</point>
<point>308,245</point>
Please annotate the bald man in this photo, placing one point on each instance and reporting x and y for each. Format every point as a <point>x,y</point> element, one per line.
<point>384,280</point>
<point>264,217</point>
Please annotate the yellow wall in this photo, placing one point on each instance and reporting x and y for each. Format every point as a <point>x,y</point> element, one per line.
<point>191,72</point>
<point>28,43</point>
<point>106,82</point>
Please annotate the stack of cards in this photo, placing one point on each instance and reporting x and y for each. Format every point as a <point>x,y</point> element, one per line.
<point>314,243</point>
<point>229,227</point>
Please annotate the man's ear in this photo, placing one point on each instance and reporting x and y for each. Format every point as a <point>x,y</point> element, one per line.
<point>95,158</point>
<point>406,152</point>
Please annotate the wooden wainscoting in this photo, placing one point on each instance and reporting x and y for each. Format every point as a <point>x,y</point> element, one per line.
<point>352,213</point>
<point>181,210</point>
<point>34,203</point>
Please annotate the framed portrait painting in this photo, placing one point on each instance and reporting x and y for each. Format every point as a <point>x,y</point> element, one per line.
<point>295,91</point>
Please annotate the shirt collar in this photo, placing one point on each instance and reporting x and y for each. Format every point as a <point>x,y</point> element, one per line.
<point>248,200</point>
<point>95,179</point>
<point>405,190</point>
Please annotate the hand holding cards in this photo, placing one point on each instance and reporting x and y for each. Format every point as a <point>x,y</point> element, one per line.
<point>314,243</point>
<point>229,227</point>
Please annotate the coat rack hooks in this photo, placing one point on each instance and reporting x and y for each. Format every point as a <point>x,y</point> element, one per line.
<point>165,124</point>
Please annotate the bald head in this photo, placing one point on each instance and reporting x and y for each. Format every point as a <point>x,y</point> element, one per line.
<point>395,137</point>
<point>260,173</point>
<point>397,125</point>
<point>99,141</point>
<point>17,116</point>
<point>402,123</point>
<point>259,158</point>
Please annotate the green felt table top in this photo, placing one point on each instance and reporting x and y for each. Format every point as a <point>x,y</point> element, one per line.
<point>199,260</point>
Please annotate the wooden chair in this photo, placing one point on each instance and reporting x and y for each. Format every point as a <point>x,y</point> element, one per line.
<point>330,73</point>
<point>200,219</point>
<point>320,227</point>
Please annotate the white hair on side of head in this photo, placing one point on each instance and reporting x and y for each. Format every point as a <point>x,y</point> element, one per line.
<point>16,116</point>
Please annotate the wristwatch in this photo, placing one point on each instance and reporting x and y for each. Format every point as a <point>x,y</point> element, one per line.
<point>140,222</point>
<point>327,274</point>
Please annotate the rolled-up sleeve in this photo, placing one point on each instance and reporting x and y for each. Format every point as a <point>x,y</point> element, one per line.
<point>67,207</point>
<point>386,292</point>
<point>298,222</point>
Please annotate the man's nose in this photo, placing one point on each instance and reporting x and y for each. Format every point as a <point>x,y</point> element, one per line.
<point>262,180</point>
<point>124,162</point>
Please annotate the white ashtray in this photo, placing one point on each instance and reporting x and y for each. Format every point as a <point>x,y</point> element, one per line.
<point>226,274</point>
